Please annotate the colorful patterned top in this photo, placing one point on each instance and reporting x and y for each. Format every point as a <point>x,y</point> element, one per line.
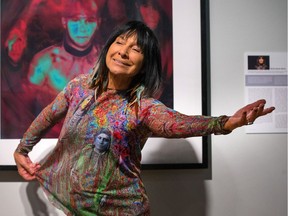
<point>95,167</point>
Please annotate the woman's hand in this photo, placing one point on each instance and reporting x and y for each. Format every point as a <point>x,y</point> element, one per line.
<point>247,115</point>
<point>26,168</point>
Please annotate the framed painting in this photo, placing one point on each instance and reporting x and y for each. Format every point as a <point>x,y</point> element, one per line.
<point>38,59</point>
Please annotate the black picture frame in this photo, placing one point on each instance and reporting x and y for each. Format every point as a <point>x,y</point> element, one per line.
<point>206,97</point>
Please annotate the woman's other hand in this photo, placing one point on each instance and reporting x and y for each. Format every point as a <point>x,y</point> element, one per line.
<point>26,168</point>
<point>247,115</point>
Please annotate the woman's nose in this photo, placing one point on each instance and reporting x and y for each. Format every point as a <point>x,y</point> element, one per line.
<point>124,52</point>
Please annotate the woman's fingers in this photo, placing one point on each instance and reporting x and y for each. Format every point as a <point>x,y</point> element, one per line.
<point>26,168</point>
<point>248,114</point>
<point>268,110</point>
<point>25,174</point>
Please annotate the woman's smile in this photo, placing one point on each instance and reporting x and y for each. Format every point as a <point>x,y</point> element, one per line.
<point>121,63</point>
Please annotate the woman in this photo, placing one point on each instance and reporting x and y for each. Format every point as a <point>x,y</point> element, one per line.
<point>118,97</point>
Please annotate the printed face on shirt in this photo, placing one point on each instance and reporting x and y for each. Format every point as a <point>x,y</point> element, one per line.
<point>102,142</point>
<point>124,57</point>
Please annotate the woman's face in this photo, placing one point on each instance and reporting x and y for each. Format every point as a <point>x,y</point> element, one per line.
<point>124,57</point>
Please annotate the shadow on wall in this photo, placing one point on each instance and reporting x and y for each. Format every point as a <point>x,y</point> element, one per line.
<point>32,197</point>
<point>177,192</point>
<point>36,200</point>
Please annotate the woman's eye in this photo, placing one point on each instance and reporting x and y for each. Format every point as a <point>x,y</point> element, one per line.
<point>136,49</point>
<point>119,42</point>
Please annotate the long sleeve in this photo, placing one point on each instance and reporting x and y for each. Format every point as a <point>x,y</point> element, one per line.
<point>48,117</point>
<point>165,122</point>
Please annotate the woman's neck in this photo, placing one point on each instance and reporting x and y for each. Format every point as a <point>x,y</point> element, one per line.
<point>118,82</point>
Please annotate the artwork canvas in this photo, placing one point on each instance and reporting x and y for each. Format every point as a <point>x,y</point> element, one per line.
<point>45,44</point>
<point>37,61</point>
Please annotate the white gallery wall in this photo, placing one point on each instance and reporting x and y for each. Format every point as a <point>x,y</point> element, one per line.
<point>248,172</point>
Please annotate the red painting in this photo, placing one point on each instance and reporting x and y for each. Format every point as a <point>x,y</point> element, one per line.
<point>44,44</point>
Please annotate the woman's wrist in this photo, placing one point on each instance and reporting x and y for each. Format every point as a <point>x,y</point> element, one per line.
<point>225,124</point>
<point>21,150</point>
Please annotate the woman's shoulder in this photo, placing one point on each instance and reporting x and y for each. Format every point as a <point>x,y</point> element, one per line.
<point>147,102</point>
<point>81,80</point>
<point>79,84</point>
<point>78,88</point>
<point>153,107</point>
